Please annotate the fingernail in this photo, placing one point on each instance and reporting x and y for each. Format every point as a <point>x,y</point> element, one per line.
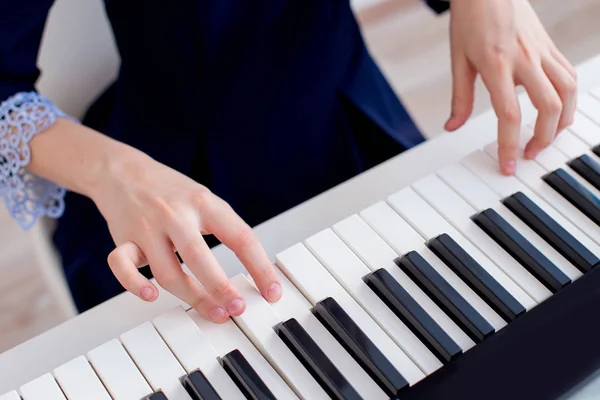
<point>529,154</point>
<point>274,292</point>
<point>217,314</point>
<point>235,306</point>
<point>146,293</point>
<point>509,167</point>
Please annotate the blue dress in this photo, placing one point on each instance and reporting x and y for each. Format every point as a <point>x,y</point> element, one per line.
<point>266,102</point>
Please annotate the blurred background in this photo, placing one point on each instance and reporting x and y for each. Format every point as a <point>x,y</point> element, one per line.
<point>409,42</point>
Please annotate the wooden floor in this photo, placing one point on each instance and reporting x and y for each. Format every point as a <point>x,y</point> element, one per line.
<point>411,45</point>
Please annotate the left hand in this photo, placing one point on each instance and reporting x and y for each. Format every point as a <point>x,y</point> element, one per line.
<point>504,41</point>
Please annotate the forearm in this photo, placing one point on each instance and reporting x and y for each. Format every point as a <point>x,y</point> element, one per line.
<point>77,157</point>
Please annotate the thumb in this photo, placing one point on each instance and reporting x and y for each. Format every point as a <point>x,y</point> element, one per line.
<point>463,92</point>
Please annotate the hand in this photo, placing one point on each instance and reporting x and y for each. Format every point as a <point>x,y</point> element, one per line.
<point>504,41</point>
<point>153,210</point>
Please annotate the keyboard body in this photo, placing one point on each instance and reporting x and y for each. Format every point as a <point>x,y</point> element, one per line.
<point>549,352</point>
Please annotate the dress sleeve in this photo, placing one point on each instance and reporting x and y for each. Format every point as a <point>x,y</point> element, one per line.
<point>439,6</point>
<point>24,113</point>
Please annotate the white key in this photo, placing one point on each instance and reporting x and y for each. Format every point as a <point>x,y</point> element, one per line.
<point>570,145</point>
<point>529,173</point>
<point>370,243</point>
<point>227,337</point>
<point>78,381</point>
<point>193,350</point>
<point>589,106</point>
<point>155,360</point>
<point>425,220</point>
<point>294,305</point>
<point>257,323</point>
<point>551,158</point>
<point>10,396</point>
<point>458,213</point>
<point>349,270</point>
<point>118,372</point>
<point>595,91</point>
<point>473,190</point>
<point>585,129</point>
<point>42,388</point>
<point>313,280</point>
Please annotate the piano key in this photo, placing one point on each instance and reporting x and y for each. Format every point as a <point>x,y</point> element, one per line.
<point>257,323</point>
<point>227,338</point>
<point>13,395</point>
<point>313,280</point>
<point>587,168</point>
<point>522,250</point>
<point>475,192</point>
<point>118,372</point>
<point>199,387</point>
<point>245,377</point>
<point>572,190</point>
<point>458,213</point>
<point>349,271</point>
<point>78,381</point>
<point>446,296</point>
<point>315,361</point>
<point>42,388</point>
<point>424,219</point>
<point>570,145</point>
<point>156,396</point>
<point>554,233</point>
<point>585,129</point>
<point>156,362</point>
<point>396,237</point>
<point>589,106</point>
<point>406,308</point>
<point>529,180</point>
<point>479,279</point>
<point>552,159</point>
<point>193,350</point>
<point>360,345</point>
<point>294,305</point>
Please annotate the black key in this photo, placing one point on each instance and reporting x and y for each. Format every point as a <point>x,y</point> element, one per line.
<point>596,150</point>
<point>359,346</point>
<point>544,355</point>
<point>315,361</point>
<point>156,396</point>
<point>245,377</point>
<point>412,314</point>
<point>445,296</point>
<point>199,387</point>
<point>552,232</point>
<point>521,250</point>
<point>588,168</point>
<point>474,275</point>
<point>575,193</point>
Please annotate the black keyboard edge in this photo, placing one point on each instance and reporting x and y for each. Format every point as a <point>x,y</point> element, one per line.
<point>543,355</point>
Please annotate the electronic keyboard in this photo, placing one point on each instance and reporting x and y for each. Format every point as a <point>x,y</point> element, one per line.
<point>430,276</point>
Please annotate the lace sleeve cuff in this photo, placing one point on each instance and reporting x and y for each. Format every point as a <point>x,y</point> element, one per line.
<point>27,196</point>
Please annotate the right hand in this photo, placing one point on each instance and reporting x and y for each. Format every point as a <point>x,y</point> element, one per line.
<point>153,210</point>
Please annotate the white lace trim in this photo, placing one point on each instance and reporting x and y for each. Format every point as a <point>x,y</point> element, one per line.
<point>27,196</point>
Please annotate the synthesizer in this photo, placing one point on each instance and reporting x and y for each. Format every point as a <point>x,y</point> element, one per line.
<point>430,276</point>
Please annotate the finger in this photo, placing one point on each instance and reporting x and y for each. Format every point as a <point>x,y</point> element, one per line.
<point>463,89</point>
<point>548,103</point>
<point>562,60</point>
<point>171,277</point>
<point>226,225</point>
<point>124,262</point>
<point>566,87</point>
<point>202,263</point>
<point>499,82</point>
